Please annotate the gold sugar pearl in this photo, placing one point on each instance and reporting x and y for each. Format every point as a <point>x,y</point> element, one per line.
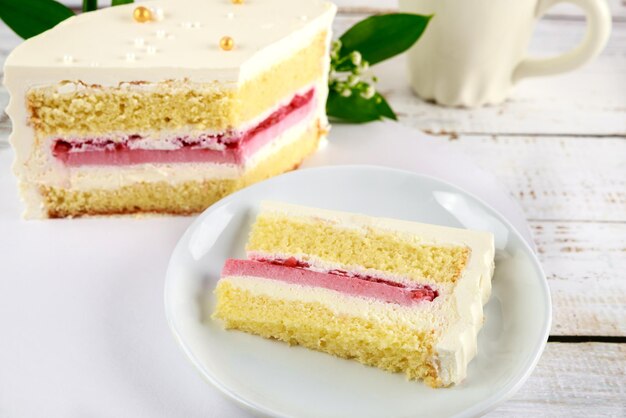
<point>227,43</point>
<point>237,1</point>
<point>142,14</point>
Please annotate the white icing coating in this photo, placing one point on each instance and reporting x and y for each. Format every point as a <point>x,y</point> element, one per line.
<point>195,26</point>
<point>457,314</point>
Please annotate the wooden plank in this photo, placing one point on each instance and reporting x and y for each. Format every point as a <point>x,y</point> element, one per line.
<point>573,380</point>
<point>585,264</point>
<point>557,178</point>
<point>563,10</point>
<point>574,192</point>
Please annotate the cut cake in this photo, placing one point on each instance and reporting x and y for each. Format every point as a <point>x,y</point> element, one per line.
<point>113,116</point>
<point>402,296</point>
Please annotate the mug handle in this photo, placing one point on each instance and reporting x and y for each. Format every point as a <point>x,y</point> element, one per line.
<point>597,34</point>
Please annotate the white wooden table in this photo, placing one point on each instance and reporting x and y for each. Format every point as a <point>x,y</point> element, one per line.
<point>559,145</point>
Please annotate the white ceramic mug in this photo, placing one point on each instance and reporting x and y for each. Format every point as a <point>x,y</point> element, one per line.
<point>473,51</point>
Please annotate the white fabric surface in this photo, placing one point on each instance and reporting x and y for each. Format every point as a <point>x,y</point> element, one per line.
<point>82,326</point>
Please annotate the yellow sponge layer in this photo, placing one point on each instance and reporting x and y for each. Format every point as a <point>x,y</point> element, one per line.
<point>395,348</point>
<point>180,199</point>
<point>172,105</point>
<point>373,249</point>
<point>184,198</point>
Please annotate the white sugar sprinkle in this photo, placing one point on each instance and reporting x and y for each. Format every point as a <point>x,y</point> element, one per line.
<point>158,14</point>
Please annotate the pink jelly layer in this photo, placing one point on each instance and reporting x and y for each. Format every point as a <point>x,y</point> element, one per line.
<point>237,148</point>
<point>351,284</point>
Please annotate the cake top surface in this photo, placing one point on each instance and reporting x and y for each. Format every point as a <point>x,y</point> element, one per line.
<point>188,35</point>
<point>432,234</point>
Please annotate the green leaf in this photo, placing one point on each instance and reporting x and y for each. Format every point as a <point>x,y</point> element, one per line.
<point>380,37</point>
<point>120,2</point>
<point>28,18</point>
<point>357,109</point>
<point>89,5</point>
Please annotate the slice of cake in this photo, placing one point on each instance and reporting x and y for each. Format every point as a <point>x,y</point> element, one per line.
<point>402,296</point>
<point>168,106</point>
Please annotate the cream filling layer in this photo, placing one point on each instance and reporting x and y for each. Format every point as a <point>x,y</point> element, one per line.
<point>112,177</point>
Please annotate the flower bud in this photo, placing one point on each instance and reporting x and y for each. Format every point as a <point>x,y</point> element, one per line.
<point>355,57</point>
<point>369,92</point>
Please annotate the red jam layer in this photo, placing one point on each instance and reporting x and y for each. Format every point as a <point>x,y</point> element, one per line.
<point>297,272</point>
<point>237,147</point>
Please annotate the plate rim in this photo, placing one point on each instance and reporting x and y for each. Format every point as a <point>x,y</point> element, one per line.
<point>487,404</point>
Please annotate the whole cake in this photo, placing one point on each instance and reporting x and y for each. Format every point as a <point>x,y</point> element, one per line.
<point>168,106</point>
<point>401,296</point>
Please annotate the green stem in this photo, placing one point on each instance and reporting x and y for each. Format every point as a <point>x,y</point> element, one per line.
<point>89,5</point>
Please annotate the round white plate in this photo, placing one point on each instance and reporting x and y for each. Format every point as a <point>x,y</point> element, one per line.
<point>277,380</point>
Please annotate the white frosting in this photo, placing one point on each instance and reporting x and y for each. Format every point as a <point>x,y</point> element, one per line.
<point>186,42</point>
<point>87,178</point>
<point>457,314</point>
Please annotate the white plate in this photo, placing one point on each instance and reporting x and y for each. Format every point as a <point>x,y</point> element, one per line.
<point>277,380</point>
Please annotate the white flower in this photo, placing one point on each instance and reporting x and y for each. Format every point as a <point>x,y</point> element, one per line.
<point>346,93</point>
<point>355,57</point>
<point>368,93</point>
<point>353,80</point>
